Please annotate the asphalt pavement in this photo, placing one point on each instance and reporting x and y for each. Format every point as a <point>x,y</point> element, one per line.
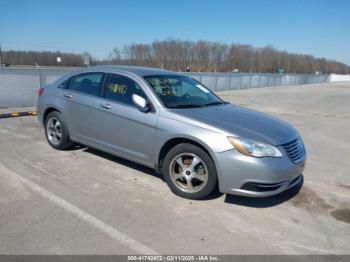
<point>84,201</point>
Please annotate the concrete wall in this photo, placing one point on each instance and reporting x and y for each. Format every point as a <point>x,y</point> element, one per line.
<point>18,86</point>
<point>335,78</point>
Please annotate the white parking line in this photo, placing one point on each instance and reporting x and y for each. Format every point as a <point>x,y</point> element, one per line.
<point>90,219</point>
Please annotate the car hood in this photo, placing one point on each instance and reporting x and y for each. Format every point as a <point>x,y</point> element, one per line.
<point>242,122</point>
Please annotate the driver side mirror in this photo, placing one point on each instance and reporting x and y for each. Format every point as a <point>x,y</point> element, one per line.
<point>141,103</point>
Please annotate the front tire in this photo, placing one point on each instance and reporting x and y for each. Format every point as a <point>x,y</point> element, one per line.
<point>56,131</point>
<point>190,172</point>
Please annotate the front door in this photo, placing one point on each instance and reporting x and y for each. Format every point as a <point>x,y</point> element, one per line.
<point>125,129</point>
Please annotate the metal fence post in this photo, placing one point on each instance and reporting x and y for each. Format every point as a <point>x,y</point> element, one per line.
<point>39,70</point>
<point>216,82</point>
<point>251,80</point>
<point>229,82</point>
<point>240,83</point>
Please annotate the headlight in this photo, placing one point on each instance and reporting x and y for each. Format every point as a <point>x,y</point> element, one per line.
<point>253,148</point>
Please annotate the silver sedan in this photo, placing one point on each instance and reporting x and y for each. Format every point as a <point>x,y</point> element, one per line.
<point>174,124</point>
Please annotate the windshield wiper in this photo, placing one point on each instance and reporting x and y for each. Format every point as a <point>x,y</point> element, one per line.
<point>185,106</point>
<point>193,106</point>
<point>215,103</point>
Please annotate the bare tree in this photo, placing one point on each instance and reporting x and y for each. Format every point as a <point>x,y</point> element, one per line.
<point>199,56</point>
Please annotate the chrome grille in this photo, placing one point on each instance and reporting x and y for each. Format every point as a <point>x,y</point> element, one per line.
<point>295,150</point>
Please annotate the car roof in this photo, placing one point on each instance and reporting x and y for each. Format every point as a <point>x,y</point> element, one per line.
<point>136,70</point>
<point>133,70</point>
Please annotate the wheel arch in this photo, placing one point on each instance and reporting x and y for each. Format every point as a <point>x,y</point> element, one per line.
<point>169,144</point>
<point>48,111</point>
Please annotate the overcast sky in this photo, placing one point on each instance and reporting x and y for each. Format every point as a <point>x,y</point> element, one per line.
<point>317,27</point>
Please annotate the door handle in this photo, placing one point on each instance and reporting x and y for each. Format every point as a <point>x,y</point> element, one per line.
<point>106,106</point>
<point>68,95</point>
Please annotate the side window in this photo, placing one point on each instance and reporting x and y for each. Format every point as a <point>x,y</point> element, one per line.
<point>87,83</point>
<point>120,88</point>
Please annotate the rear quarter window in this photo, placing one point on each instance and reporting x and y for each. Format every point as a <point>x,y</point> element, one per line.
<point>88,83</point>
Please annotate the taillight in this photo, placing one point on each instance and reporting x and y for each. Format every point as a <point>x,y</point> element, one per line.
<point>40,91</point>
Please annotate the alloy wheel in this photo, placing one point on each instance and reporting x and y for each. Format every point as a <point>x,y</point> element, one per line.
<point>54,130</point>
<point>188,172</point>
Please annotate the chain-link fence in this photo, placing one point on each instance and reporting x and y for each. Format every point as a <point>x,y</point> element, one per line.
<point>236,81</point>
<point>18,86</point>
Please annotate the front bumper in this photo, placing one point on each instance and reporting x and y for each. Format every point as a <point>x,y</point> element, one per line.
<point>257,177</point>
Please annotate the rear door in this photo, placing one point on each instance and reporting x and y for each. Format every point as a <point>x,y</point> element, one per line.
<point>126,130</point>
<point>81,105</point>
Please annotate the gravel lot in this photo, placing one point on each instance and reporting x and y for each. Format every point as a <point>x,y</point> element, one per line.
<point>84,201</point>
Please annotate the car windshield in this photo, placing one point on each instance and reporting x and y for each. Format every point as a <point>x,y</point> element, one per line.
<point>176,91</point>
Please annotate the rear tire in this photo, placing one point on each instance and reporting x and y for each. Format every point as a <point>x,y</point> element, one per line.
<point>56,131</point>
<point>190,172</point>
